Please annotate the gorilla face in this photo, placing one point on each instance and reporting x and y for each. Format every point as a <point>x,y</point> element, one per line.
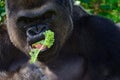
<point>28,19</point>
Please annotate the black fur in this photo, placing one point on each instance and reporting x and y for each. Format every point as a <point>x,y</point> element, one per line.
<point>9,55</point>
<point>101,41</point>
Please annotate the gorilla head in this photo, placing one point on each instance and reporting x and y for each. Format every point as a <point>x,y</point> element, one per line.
<point>28,19</point>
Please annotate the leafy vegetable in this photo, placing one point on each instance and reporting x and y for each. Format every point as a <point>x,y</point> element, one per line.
<point>48,42</point>
<point>49,38</point>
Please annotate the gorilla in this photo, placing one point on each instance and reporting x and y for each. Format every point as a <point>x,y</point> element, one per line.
<point>86,46</point>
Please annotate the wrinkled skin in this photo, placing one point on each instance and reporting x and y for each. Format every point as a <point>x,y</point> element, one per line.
<point>86,47</point>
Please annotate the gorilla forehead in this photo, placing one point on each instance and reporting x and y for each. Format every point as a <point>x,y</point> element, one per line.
<point>28,4</point>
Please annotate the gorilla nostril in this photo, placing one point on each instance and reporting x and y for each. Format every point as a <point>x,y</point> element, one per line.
<point>35,33</point>
<point>31,32</point>
<point>35,30</point>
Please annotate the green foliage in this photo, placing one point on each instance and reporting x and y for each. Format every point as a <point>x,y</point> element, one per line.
<point>106,8</point>
<point>2,10</point>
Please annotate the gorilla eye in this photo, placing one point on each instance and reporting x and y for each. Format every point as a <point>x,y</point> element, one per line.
<point>32,19</point>
<point>48,15</point>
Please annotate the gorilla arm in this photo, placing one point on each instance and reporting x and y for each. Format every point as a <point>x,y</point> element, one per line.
<point>13,63</point>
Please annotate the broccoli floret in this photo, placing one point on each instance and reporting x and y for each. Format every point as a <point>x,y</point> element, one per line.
<point>48,42</point>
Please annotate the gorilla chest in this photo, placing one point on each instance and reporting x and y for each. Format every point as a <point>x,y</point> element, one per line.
<point>70,69</point>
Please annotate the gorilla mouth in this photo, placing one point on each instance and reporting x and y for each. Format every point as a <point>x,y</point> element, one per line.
<point>35,43</point>
<point>39,46</point>
<point>45,42</point>
<point>42,45</point>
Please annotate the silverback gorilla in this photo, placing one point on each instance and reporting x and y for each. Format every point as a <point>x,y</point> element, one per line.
<point>87,47</point>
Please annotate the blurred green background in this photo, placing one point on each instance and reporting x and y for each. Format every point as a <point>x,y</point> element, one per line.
<point>2,10</point>
<point>106,8</point>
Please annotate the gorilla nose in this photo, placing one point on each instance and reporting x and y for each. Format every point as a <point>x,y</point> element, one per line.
<point>35,33</point>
